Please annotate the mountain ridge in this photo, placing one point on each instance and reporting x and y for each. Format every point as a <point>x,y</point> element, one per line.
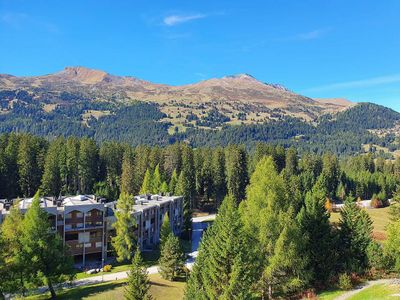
<point>232,95</point>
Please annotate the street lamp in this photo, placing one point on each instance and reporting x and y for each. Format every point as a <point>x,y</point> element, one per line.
<point>102,269</point>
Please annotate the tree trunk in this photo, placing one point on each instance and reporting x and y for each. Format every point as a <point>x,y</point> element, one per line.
<point>270,292</point>
<point>51,289</point>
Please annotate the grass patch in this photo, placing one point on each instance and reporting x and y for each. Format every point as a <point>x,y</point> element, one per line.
<point>160,289</point>
<point>379,216</point>
<point>330,295</point>
<point>378,291</point>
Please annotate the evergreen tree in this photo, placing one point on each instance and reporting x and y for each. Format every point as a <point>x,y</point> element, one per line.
<point>291,162</point>
<point>128,184</point>
<point>88,165</point>
<point>392,244</point>
<point>72,165</point>
<point>172,258</point>
<point>147,185</point>
<point>164,188</point>
<point>395,206</point>
<point>173,182</point>
<point>138,284</point>
<point>28,168</point>
<point>165,230</point>
<point>51,180</point>
<point>218,175</point>
<point>183,188</point>
<point>236,172</point>
<point>224,268</point>
<point>319,239</point>
<point>156,180</point>
<point>286,271</point>
<point>14,274</point>
<point>124,240</point>
<point>43,250</point>
<point>355,236</point>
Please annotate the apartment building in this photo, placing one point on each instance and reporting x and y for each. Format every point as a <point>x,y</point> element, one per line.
<point>85,222</point>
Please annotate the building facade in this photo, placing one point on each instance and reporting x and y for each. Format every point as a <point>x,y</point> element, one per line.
<point>85,222</point>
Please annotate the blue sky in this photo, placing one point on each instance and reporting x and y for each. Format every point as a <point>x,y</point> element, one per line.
<point>319,48</point>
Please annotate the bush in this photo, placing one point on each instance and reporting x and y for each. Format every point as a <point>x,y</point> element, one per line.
<point>345,282</point>
<point>376,203</point>
<point>107,268</point>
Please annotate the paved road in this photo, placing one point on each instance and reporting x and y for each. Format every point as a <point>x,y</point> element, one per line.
<point>197,232</point>
<point>351,293</point>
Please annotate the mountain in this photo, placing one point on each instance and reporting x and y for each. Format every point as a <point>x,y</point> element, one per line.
<point>84,102</point>
<point>231,95</point>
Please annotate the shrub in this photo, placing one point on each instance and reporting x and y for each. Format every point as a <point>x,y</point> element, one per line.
<point>107,268</point>
<point>376,203</point>
<point>345,282</point>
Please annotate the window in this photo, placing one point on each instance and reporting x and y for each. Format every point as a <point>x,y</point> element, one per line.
<point>79,215</point>
<point>89,214</point>
<point>79,225</point>
<point>98,244</point>
<point>88,245</point>
<point>99,223</point>
<point>68,216</point>
<point>71,236</point>
<point>68,226</point>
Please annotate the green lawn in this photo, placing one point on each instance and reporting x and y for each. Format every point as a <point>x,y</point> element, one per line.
<point>378,291</point>
<point>379,216</point>
<point>150,258</point>
<point>160,290</point>
<point>330,295</point>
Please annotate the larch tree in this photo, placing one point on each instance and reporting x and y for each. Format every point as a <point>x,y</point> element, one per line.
<point>124,241</point>
<point>156,180</point>
<point>128,185</point>
<point>147,185</point>
<point>138,284</point>
<point>15,277</point>
<point>173,182</point>
<point>43,249</point>
<point>165,229</point>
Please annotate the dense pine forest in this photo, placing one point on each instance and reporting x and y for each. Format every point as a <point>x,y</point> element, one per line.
<point>71,165</point>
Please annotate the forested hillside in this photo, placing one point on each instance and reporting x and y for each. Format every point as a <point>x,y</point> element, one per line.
<point>143,123</point>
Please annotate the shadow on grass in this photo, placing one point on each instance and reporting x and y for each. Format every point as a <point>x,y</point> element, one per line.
<point>86,291</point>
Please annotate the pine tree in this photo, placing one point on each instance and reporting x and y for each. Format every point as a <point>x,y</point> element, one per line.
<point>72,165</point>
<point>291,162</point>
<point>124,240</point>
<point>172,258</point>
<point>43,249</point>
<point>319,242</point>
<point>28,168</point>
<point>88,165</point>
<point>173,182</point>
<point>147,185</point>
<point>355,236</point>
<point>224,267</point>
<point>138,284</point>
<point>51,180</point>
<point>128,185</point>
<point>165,230</point>
<point>156,180</point>
<point>218,175</point>
<point>236,172</point>
<point>183,188</point>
